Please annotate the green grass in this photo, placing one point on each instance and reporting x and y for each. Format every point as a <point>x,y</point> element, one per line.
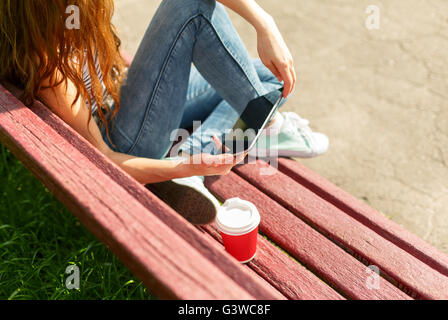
<point>39,238</point>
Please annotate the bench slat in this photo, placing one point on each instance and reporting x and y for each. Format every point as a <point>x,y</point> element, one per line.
<point>412,275</point>
<point>304,243</point>
<point>285,274</point>
<point>167,264</point>
<point>366,215</point>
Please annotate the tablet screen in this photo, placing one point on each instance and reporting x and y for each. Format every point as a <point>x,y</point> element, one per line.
<point>254,118</point>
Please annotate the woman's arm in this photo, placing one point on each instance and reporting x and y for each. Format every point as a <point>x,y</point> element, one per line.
<point>59,99</point>
<point>271,47</point>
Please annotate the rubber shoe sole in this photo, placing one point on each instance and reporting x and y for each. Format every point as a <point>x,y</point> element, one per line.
<point>186,200</point>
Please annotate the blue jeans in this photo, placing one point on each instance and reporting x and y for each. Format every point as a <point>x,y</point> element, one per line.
<point>164,92</point>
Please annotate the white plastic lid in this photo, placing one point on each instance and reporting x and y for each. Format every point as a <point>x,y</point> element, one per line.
<point>237,217</point>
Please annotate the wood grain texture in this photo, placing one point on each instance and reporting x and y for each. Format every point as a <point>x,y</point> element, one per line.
<point>308,246</point>
<point>411,275</point>
<point>168,265</point>
<point>285,274</point>
<point>213,234</point>
<point>366,215</point>
<point>210,249</point>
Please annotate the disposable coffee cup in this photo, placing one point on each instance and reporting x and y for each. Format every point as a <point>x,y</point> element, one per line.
<point>237,221</point>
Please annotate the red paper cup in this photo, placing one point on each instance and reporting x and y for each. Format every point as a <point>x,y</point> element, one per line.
<point>238,221</point>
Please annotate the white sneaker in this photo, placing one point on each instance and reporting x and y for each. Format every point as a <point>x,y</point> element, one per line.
<point>189,197</point>
<point>197,183</point>
<point>291,136</point>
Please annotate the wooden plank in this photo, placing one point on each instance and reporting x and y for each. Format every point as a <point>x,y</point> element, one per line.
<point>211,232</point>
<point>366,215</point>
<point>285,274</point>
<point>411,275</point>
<point>256,286</point>
<point>168,265</point>
<point>308,246</point>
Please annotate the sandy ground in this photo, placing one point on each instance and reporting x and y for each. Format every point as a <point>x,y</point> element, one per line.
<point>380,95</point>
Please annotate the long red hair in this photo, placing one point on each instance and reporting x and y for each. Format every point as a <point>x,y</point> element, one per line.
<point>35,43</point>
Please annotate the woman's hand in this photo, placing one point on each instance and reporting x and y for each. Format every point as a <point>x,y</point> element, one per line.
<point>275,55</point>
<point>205,164</point>
<point>271,47</point>
<point>210,165</point>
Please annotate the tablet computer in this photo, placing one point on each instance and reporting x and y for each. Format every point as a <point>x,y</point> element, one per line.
<point>257,115</point>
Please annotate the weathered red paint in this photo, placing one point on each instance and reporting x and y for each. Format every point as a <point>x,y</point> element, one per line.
<point>411,274</point>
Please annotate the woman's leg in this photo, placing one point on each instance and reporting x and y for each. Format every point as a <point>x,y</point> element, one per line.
<point>216,115</point>
<point>154,94</point>
<point>200,101</point>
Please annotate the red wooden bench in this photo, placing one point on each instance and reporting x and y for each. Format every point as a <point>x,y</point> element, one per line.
<point>316,240</point>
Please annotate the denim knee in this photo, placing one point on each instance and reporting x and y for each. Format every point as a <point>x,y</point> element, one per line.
<point>190,8</point>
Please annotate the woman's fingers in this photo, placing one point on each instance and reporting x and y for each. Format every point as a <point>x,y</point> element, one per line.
<point>223,164</point>
<point>240,157</point>
<point>225,159</point>
<point>287,74</point>
<point>293,71</point>
<point>220,164</point>
<point>275,71</point>
<point>219,144</point>
<point>215,161</point>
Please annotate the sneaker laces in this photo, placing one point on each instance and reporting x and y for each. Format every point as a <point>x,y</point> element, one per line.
<point>293,122</point>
